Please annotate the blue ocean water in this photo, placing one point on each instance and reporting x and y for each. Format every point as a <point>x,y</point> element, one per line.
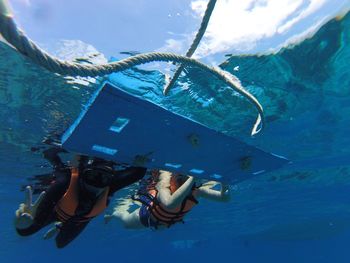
<point>300,213</point>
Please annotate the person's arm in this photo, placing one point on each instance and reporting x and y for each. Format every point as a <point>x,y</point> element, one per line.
<point>165,197</point>
<point>126,177</point>
<point>68,232</point>
<point>206,191</point>
<point>32,217</point>
<point>52,156</point>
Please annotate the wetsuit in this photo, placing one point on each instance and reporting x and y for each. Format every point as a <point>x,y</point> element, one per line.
<point>46,213</point>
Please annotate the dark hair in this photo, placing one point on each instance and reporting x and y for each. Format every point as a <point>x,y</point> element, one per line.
<point>96,171</point>
<point>180,179</point>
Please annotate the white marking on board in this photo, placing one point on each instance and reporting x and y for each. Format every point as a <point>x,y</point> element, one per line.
<point>196,171</point>
<point>119,124</point>
<point>216,176</point>
<point>103,149</point>
<point>173,165</point>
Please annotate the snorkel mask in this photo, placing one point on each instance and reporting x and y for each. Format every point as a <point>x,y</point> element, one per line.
<point>97,174</point>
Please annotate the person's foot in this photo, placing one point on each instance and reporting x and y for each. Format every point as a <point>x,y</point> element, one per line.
<point>53,231</point>
<point>107,218</point>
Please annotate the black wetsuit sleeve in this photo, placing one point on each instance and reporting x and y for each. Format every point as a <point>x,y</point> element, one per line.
<point>45,213</point>
<point>51,155</point>
<point>126,177</point>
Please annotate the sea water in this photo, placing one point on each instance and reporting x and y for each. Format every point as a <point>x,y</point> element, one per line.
<point>300,213</point>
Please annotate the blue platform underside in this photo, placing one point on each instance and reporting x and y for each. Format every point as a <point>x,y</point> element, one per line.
<point>118,126</point>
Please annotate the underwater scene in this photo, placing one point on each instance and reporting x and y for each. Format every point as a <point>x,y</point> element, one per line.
<point>297,213</point>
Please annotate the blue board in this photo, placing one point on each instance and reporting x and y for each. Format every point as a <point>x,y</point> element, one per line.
<point>119,126</point>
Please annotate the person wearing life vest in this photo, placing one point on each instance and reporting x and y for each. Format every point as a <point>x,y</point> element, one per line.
<point>164,199</point>
<point>75,196</point>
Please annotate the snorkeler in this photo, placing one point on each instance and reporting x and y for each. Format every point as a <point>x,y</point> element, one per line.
<point>76,195</point>
<point>164,199</point>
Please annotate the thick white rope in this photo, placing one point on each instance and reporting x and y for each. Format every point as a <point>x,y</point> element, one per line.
<point>195,43</point>
<point>28,48</point>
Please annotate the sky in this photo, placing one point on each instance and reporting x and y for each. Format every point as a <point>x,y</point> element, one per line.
<point>236,26</point>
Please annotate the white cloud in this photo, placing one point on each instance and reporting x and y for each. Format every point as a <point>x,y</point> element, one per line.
<point>239,25</point>
<point>308,33</point>
<point>312,7</point>
<point>24,2</point>
<point>173,45</point>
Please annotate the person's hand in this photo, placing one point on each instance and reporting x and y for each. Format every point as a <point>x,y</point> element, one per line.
<point>225,188</point>
<point>107,218</point>
<point>141,160</point>
<point>225,192</point>
<point>52,142</point>
<point>25,214</point>
<point>198,182</point>
<point>52,152</point>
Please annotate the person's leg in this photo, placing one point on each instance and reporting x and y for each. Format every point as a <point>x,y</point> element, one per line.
<point>35,227</point>
<point>122,212</point>
<point>68,232</point>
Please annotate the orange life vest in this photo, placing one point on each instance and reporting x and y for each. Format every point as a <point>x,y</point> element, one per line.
<point>165,215</point>
<point>68,204</point>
